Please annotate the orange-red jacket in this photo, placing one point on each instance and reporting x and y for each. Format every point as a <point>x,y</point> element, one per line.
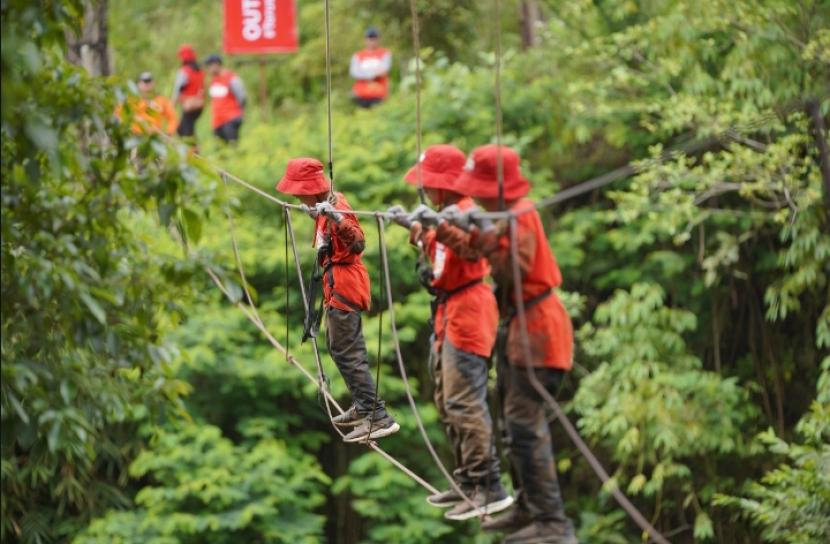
<point>346,281</point>
<point>224,104</point>
<point>549,327</point>
<point>369,62</point>
<point>154,115</point>
<point>469,316</point>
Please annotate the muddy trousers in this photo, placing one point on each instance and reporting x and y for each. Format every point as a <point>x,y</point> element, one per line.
<point>344,338</point>
<point>528,441</point>
<point>461,397</point>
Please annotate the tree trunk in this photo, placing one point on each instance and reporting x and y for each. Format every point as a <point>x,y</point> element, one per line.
<point>89,48</point>
<point>529,20</point>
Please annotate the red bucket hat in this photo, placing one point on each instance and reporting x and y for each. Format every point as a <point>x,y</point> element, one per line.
<point>440,166</point>
<point>480,176</point>
<point>304,176</point>
<point>187,53</point>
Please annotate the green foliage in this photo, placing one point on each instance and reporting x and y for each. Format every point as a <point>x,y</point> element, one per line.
<point>650,403</point>
<point>85,300</point>
<point>203,487</point>
<point>791,503</point>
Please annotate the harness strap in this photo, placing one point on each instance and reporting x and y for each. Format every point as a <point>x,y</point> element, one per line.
<point>442,296</point>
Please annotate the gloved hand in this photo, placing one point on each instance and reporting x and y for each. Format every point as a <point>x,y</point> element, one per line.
<point>325,208</point>
<point>425,215</point>
<point>399,216</point>
<point>456,217</point>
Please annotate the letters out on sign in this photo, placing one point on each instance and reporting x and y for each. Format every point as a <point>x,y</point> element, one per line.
<point>260,26</point>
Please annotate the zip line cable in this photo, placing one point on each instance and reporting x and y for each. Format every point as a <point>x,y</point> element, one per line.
<point>583,448</point>
<point>407,389</point>
<point>416,44</point>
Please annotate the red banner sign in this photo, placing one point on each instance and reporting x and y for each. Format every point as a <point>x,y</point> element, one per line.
<point>260,26</point>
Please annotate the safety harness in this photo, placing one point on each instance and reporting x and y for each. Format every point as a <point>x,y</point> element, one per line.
<point>314,317</point>
<point>508,314</point>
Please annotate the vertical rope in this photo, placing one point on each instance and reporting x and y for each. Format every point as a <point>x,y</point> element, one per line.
<point>379,220</point>
<point>497,91</point>
<point>416,44</point>
<point>407,389</point>
<point>328,94</point>
<point>286,211</point>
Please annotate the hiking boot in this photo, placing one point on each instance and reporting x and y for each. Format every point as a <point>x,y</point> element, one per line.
<point>349,418</point>
<point>544,532</point>
<point>447,498</point>
<point>485,502</point>
<point>380,428</point>
<point>508,523</point>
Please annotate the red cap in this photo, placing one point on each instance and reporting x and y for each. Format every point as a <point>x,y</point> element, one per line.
<point>440,166</point>
<point>186,53</point>
<point>480,176</point>
<point>304,176</point>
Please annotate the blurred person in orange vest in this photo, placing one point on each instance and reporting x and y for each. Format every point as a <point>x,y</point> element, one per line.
<point>465,317</point>
<point>227,100</point>
<point>189,91</point>
<point>151,112</point>
<point>340,243</point>
<point>370,70</point>
<point>540,514</point>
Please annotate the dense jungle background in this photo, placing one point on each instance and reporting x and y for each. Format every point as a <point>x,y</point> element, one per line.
<point>139,406</point>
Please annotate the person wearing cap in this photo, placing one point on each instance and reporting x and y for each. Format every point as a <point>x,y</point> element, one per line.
<point>464,318</point>
<point>189,91</point>
<point>539,515</point>
<point>227,100</point>
<point>370,69</point>
<point>151,112</point>
<point>340,242</point>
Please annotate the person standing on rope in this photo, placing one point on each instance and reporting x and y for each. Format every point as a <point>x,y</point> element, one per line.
<point>370,70</point>
<point>340,242</point>
<point>227,100</point>
<point>152,113</point>
<point>189,91</point>
<point>464,321</point>
<point>540,514</point>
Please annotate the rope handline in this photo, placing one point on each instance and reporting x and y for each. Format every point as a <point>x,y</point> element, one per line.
<point>583,448</point>
<point>328,95</point>
<point>380,340</point>
<point>416,44</point>
<point>407,389</point>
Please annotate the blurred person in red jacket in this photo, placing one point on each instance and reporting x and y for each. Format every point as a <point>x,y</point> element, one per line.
<point>151,112</point>
<point>464,318</point>
<point>189,91</point>
<point>540,514</point>
<point>227,100</point>
<point>370,70</point>
<point>340,242</point>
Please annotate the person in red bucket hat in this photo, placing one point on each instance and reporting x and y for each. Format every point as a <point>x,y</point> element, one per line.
<point>189,91</point>
<point>340,243</point>
<point>464,318</point>
<point>540,514</point>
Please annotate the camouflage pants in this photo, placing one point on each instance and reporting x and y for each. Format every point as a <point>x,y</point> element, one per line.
<point>529,443</point>
<point>461,397</point>
<point>344,338</point>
